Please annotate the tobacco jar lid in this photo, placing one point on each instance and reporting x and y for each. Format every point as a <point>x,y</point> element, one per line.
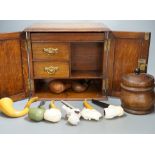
<point>138,80</point>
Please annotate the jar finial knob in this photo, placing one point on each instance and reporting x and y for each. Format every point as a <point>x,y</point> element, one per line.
<point>137,71</point>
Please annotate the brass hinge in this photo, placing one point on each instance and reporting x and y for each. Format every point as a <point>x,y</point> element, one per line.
<point>28,45</point>
<point>30,85</point>
<point>28,42</point>
<point>142,65</point>
<point>147,36</point>
<point>107,44</point>
<point>106,84</point>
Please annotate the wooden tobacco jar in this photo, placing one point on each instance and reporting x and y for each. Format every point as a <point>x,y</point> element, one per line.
<point>137,93</point>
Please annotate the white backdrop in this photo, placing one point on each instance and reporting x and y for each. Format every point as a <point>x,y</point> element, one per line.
<point>69,9</point>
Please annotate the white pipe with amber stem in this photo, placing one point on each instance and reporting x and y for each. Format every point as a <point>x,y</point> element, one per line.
<point>53,114</point>
<point>89,113</point>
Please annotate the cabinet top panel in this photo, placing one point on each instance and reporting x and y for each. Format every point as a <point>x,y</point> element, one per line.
<point>68,27</point>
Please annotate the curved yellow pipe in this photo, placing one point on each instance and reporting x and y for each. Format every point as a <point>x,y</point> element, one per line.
<point>6,107</point>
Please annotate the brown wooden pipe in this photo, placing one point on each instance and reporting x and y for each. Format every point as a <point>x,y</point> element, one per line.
<point>58,86</point>
<point>78,87</point>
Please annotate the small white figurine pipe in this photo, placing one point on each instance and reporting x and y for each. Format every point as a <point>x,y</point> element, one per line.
<point>73,114</point>
<point>89,113</point>
<point>53,114</point>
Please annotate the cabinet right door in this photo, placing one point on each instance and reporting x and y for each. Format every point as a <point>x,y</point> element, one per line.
<point>128,50</point>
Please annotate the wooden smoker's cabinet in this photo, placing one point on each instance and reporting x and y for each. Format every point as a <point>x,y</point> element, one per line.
<point>30,59</point>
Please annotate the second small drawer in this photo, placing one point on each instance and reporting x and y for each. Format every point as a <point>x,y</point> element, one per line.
<point>51,69</point>
<point>51,51</point>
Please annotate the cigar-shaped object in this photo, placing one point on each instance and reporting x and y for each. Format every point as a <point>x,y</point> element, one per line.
<point>110,111</point>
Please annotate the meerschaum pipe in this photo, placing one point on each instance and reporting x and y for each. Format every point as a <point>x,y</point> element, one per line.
<point>113,111</point>
<point>72,113</point>
<point>89,113</point>
<point>110,111</point>
<point>53,114</point>
<point>6,107</point>
<point>36,114</point>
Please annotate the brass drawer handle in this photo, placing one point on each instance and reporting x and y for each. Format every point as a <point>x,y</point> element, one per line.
<point>51,51</point>
<point>51,70</point>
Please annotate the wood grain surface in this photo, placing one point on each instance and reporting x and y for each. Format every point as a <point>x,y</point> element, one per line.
<point>12,81</point>
<point>39,72</point>
<point>62,51</point>
<point>126,49</point>
<point>67,37</point>
<point>68,27</point>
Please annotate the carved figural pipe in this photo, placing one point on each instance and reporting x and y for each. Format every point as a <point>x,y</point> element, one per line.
<point>110,111</point>
<point>72,113</point>
<point>6,107</point>
<point>89,113</point>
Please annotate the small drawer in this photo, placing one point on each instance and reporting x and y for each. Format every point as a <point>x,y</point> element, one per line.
<point>51,69</point>
<point>68,37</point>
<point>50,51</point>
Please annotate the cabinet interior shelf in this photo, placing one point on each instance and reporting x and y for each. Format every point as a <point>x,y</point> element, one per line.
<point>93,91</point>
<point>70,95</point>
<point>86,74</point>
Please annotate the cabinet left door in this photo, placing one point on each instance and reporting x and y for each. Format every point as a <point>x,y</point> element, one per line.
<point>13,66</point>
